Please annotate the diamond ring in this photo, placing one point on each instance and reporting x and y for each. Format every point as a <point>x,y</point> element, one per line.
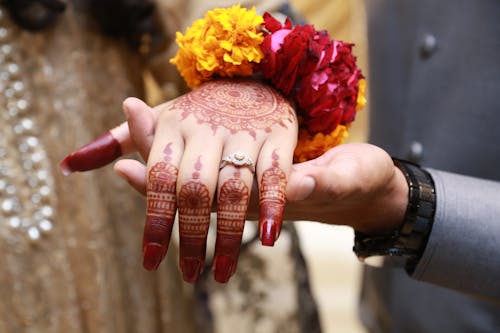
<point>238,159</point>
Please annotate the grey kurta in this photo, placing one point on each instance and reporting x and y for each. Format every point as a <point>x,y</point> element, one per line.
<point>435,80</point>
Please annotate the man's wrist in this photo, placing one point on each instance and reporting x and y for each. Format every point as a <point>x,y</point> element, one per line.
<point>399,202</point>
<point>411,237</point>
<point>386,214</point>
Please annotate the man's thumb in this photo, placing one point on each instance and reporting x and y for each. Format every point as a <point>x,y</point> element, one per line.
<point>300,187</point>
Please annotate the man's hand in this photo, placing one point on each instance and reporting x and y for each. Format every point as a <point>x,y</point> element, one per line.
<point>352,184</point>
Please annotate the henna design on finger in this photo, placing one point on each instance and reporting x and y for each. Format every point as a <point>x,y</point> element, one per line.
<point>231,213</point>
<point>96,154</point>
<point>242,105</point>
<point>272,202</point>
<point>194,216</point>
<point>161,207</point>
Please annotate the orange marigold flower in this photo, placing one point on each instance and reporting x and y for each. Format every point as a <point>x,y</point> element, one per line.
<point>226,42</point>
<point>361,101</point>
<point>312,146</point>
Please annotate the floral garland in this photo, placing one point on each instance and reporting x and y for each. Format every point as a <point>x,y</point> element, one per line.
<point>319,74</point>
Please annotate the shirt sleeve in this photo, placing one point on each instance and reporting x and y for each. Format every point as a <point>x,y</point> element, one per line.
<point>463,250</point>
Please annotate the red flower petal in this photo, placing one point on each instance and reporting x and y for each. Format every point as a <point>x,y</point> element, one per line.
<point>271,23</point>
<point>318,73</point>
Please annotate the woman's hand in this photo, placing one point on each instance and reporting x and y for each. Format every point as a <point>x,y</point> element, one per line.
<point>184,141</point>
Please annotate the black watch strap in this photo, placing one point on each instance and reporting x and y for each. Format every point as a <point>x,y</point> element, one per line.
<point>410,240</point>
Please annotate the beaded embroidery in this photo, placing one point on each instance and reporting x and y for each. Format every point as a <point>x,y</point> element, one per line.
<point>26,181</point>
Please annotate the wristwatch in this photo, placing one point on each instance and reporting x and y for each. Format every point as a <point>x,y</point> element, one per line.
<point>410,239</point>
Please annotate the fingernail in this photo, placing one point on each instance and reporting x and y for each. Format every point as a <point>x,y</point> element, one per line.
<point>64,166</point>
<point>94,155</point>
<point>191,269</point>
<point>268,233</point>
<point>223,268</point>
<point>153,254</point>
<point>306,187</point>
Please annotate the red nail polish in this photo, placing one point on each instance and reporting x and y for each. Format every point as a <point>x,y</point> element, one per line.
<point>94,155</point>
<point>191,269</point>
<point>153,254</point>
<point>223,268</point>
<point>268,233</point>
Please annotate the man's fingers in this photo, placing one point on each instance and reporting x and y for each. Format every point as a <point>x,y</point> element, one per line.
<point>134,172</point>
<point>300,186</point>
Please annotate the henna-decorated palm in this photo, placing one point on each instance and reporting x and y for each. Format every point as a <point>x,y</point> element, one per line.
<point>183,142</point>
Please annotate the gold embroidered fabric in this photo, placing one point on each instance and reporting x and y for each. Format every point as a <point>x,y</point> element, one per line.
<point>70,253</point>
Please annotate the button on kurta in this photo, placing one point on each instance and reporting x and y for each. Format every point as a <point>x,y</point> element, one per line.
<point>416,152</point>
<point>428,45</point>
